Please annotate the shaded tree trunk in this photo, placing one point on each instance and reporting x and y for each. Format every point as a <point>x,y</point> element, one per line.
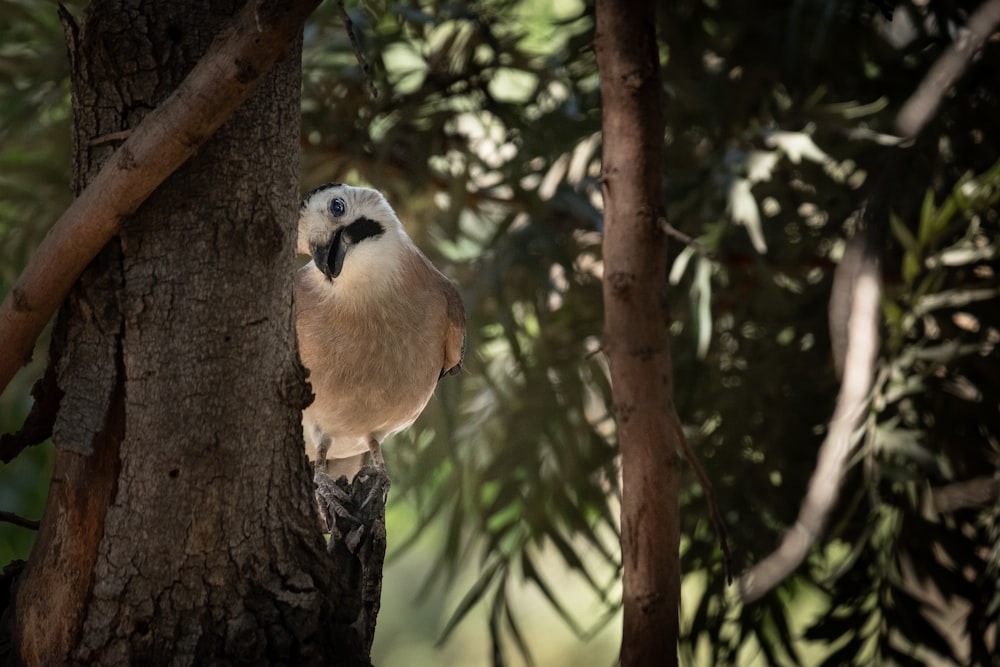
<point>635,328</point>
<point>181,527</point>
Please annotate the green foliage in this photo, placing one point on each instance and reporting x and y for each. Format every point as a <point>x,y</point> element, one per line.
<point>34,129</point>
<point>485,136</point>
<point>933,423</point>
<point>35,159</point>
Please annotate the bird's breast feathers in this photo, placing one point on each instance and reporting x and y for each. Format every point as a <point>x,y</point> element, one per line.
<point>374,361</point>
<point>377,324</point>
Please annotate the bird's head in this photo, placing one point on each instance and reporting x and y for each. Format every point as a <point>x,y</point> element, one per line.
<point>349,230</point>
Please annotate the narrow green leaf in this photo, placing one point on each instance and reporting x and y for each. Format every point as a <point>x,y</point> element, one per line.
<point>927,218</point>
<point>471,597</point>
<point>846,654</point>
<point>680,265</point>
<point>495,619</point>
<point>573,560</point>
<point>531,573</point>
<point>703,296</point>
<point>908,614</point>
<point>449,552</point>
<point>893,656</point>
<point>571,512</point>
<point>515,630</point>
<point>779,618</point>
<point>902,233</point>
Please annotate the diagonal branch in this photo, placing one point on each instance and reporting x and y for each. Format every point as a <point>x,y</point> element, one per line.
<point>824,486</point>
<point>975,492</point>
<point>359,54</point>
<point>166,138</point>
<point>10,517</point>
<point>855,300</point>
<point>924,103</point>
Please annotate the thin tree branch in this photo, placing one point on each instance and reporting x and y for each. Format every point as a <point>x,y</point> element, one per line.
<point>359,54</point>
<point>110,138</point>
<point>163,141</point>
<point>975,492</point>
<point>855,299</point>
<point>10,517</point>
<point>824,486</point>
<point>854,320</point>
<point>924,102</point>
<point>713,507</point>
<point>675,233</point>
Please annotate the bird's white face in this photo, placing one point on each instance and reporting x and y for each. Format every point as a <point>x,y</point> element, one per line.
<point>351,233</point>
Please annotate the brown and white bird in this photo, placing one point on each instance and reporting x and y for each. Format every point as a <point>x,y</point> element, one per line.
<point>378,325</point>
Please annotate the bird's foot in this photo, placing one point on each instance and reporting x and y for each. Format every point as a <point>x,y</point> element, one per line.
<point>374,479</point>
<point>334,500</point>
<point>352,510</point>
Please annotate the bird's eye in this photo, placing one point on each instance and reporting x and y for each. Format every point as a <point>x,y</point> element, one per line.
<point>338,207</point>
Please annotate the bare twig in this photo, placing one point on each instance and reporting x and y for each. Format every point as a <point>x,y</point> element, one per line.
<point>163,141</point>
<point>675,233</point>
<point>10,517</point>
<point>366,71</point>
<point>713,508</point>
<point>110,138</point>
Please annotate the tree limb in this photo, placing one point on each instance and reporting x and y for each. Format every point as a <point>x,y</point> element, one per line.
<point>855,301</point>
<point>924,102</point>
<point>675,233</point>
<point>975,492</point>
<point>852,401</point>
<point>10,517</point>
<point>713,507</point>
<point>359,54</point>
<point>163,141</point>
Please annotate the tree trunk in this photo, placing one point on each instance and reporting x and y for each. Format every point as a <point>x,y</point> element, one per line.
<point>635,328</point>
<point>181,527</point>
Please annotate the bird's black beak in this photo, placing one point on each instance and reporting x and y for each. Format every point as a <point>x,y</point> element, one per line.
<point>330,258</point>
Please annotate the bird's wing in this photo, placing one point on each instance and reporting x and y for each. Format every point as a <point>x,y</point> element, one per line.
<point>454,337</point>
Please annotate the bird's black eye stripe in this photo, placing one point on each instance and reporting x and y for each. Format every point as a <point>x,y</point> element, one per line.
<point>337,207</point>
<point>363,228</point>
<point>321,188</point>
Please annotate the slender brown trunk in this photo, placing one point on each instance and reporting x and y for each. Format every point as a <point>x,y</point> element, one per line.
<point>635,328</point>
<point>181,527</point>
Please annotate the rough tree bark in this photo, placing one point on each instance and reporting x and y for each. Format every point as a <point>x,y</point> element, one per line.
<point>149,152</point>
<point>181,527</point>
<point>635,328</point>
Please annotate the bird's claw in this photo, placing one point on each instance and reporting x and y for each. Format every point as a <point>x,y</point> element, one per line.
<point>347,508</point>
<point>378,486</point>
<point>333,501</point>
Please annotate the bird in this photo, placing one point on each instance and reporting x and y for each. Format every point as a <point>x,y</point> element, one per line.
<point>378,325</point>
